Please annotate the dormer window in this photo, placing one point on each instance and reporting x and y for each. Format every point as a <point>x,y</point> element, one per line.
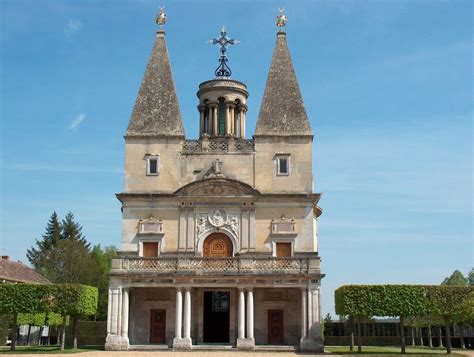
<point>282,164</point>
<point>152,165</point>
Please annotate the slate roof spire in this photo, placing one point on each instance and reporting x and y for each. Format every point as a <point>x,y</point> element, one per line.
<point>282,112</point>
<point>156,111</point>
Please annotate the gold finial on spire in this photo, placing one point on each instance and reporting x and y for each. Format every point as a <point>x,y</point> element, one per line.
<point>161,17</point>
<point>281,19</point>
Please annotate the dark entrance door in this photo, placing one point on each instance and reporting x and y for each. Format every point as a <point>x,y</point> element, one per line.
<point>158,326</point>
<point>275,327</point>
<point>216,316</point>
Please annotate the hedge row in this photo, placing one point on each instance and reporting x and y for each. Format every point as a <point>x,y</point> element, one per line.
<point>65,299</point>
<point>447,302</point>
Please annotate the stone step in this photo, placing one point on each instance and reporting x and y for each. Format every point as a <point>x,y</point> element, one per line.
<point>215,347</point>
<point>150,347</point>
<point>275,348</point>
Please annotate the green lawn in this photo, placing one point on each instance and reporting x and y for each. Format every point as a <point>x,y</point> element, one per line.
<point>376,350</point>
<point>46,349</point>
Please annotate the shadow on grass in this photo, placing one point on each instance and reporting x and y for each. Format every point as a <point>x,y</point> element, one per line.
<point>48,349</point>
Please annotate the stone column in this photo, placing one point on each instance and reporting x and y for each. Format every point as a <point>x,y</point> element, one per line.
<point>185,342</point>
<point>304,313</point>
<point>113,341</point>
<point>232,120</point>
<point>241,317</point>
<point>250,317</point>
<point>227,118</point>
<point>242,124</point>
<point>187,314</point>
<point>125,312</point>
<point>313,341</point>
<point>201,121</point>
<point>179,315</point>
<point>216,124</point>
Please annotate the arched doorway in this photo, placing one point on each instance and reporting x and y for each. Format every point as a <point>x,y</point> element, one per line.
<point>217,245</point>
<point>216,307</point>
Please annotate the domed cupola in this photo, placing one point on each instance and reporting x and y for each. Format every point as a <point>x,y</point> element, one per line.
<point>222,101</point>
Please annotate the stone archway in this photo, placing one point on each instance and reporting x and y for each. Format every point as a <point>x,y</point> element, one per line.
<point>217,245</point>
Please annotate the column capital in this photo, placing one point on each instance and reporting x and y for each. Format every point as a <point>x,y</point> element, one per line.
<point>249,289</point>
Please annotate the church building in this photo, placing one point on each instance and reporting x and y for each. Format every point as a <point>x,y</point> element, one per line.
<point>219,234</point>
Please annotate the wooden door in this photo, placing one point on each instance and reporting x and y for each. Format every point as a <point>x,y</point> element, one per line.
<point>158,326</point>
<point>150,249</point>
<point>283,249</point>
<point>275,327</point>
<point>217,245</point>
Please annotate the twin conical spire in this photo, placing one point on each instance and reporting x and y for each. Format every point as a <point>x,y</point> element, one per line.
<point>282,112</point>
<point>156,111</point>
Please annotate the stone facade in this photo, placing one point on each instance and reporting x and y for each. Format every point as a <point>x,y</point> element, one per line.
<point>219,234</point>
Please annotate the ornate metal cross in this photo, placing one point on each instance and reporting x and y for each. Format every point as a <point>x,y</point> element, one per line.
<point>223,41</point>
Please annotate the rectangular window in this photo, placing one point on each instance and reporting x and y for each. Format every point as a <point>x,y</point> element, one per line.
<point>152,165</point>
<point>150,249</point>
<point>283,165</point>
<point>283,250</point>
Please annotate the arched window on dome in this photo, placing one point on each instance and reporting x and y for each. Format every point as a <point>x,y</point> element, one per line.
<point>221,116</point>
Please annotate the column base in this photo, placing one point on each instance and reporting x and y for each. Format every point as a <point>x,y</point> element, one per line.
<point>116,343</point>
<point>182,343</point>
<point>245,343</point>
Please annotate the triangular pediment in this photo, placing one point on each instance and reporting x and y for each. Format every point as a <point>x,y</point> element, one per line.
<point>218,186</point>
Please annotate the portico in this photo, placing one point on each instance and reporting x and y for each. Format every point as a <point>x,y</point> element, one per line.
<point>188,320</point>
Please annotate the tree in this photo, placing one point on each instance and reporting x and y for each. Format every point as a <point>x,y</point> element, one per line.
<point>328,318</point>
<point>470,277</point>
<point>52,236</point>
<point>73,230</point>
<point>63,254</point>
<point>101,259</point>
<point>456,278</point>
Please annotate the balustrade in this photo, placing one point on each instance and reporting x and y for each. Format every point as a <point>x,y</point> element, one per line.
<point>234,265</point>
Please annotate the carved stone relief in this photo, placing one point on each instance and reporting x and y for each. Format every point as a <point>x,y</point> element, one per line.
<point>218,219</point>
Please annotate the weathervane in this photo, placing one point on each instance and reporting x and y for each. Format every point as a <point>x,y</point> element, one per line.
<point>223,41</point>
<point>281,19</point>
<point>161,17</point>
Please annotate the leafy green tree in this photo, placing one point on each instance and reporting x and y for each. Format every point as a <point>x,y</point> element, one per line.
<point>71,262</point>
<point>456,278</point>
<point>470,277</point>
<point>101,259</point>
<point>328,318</point>
<point>52,236</point>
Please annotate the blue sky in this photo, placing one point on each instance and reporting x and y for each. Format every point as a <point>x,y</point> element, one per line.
<point>387,86</point>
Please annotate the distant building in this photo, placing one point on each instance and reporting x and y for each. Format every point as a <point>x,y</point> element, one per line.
<point>219,234</point>
<point>17,272</point>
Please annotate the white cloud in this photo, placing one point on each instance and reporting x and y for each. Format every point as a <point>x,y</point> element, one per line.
<point>73,26</point>
<point>77,121</point>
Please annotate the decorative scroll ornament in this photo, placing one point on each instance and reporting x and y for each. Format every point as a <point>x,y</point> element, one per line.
<point>218,219</point>
<point>161,17</point>
<point>223,41</point>
<point>281,19</point>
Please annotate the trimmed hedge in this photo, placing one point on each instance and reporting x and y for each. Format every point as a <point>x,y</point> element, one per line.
<point>402,300</point>
<point>449,303</point>
<point>34,299</point>
<point>40,319</point>
<point>64,299</point>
